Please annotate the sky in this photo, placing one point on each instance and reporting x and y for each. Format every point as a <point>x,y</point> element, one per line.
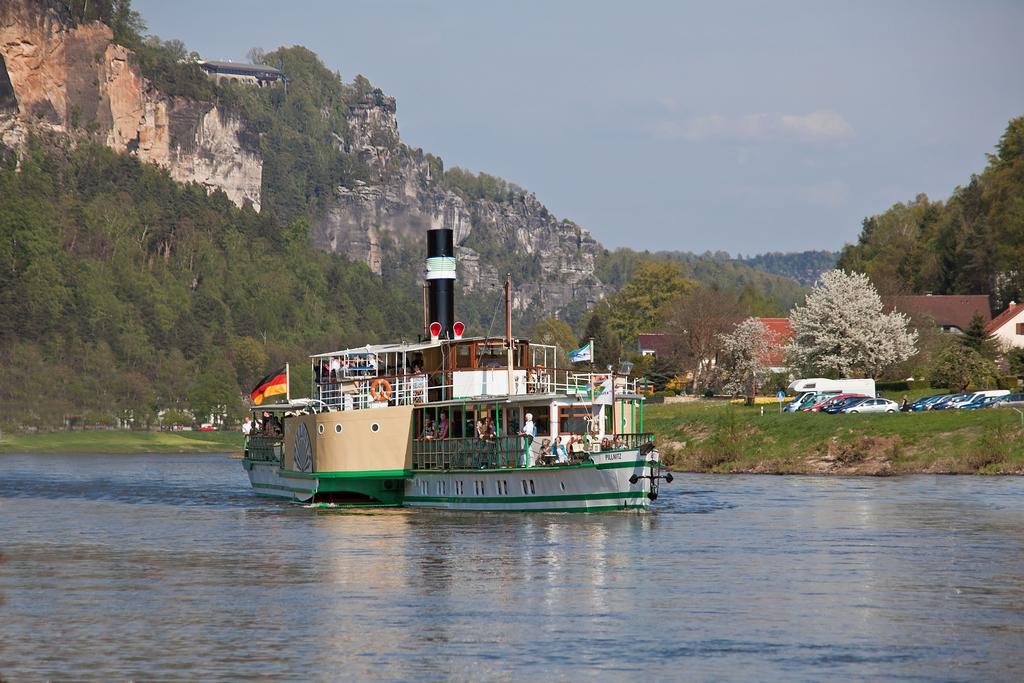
<point>739,126</point>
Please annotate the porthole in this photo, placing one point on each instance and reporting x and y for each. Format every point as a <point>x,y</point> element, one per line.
<point>375,427</point>
<point>319,429</point>
<point>337,428</point>
<point>563,485</point>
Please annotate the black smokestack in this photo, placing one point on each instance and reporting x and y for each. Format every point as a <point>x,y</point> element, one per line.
<point>441,278</point>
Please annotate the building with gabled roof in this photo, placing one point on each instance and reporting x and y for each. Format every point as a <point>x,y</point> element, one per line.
<point>1008,327</point>
<point>658,344</point>
<point>951,312</point>
<point>253,74</point>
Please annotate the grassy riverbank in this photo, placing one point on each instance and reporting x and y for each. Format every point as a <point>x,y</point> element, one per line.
<point>103,441</point>
<point>706,436</point>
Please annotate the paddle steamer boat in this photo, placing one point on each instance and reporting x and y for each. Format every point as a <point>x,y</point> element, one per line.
<point>409,424</point>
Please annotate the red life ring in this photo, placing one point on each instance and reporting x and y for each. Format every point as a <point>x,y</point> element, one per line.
<point>380,390</point>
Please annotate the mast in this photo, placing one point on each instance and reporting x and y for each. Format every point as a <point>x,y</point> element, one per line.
<point>611,375</point>
<point>287,384</point>
<point>508,327</point>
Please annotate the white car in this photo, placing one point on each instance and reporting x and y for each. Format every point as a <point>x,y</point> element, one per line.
<point>874,405</point>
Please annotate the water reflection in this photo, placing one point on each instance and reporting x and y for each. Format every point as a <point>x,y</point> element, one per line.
<point>138,567</point>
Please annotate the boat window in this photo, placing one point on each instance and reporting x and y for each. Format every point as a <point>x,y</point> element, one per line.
<point>491,356</point>
<point>320,429</point>
<point>525,490</point>
<point>463,357</point>
<point>375,427</point>
<point>563,485</point>
<point>337,428</point>
<point>532,489</point>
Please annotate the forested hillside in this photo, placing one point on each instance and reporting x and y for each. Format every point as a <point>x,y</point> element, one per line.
<point>126,293</point>
<point>803,266</point>
<point>778,293</point>
<point>971,243</point>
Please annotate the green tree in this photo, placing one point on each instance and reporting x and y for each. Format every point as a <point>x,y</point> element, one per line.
<point>960,367</point>
<point>558,333</point>
<point>639,305</point>
<point>607,348</point>
<point>976,338</point>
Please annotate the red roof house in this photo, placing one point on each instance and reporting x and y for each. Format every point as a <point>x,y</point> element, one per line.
<point>780,334</point>
<point>1008,326</point>
<point>657,344</point>
<point>951,312</point>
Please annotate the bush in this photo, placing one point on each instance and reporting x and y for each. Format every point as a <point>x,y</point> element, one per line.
<point>1007,382</point>
<point>902,385</point>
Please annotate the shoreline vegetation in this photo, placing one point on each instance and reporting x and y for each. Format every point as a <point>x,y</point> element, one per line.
<point>707,437</point>
<point>117,442</point>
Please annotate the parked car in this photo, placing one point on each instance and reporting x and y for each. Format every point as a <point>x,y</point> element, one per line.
<point>927,402</point>
<point>207,428</point>
<point>834,400</point>
<point>982,402</point>
<point>807,399</point>
<point>873,405</point>
<point>954,401</point>
<point>840,406</point>
<point>819,401</point>
<point>946,401</point>
<point>1015,400</point>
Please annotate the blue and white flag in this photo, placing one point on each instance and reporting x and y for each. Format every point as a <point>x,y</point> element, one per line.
<point>585,352</point>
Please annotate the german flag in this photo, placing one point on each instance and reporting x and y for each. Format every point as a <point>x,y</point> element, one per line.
<point>273,384</point>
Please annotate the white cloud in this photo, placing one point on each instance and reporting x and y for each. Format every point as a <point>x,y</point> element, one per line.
<point>817,126</point>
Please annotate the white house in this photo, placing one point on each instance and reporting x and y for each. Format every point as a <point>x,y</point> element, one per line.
<point>1008,327</point>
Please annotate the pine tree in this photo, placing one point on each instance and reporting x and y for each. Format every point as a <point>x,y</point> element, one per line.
<point>977,339</point>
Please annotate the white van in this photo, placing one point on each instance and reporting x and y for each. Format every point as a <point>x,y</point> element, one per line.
<point>989,393</point>
<point>839,386</point>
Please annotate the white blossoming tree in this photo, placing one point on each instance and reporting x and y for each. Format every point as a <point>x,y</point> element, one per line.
<point>743,358</point>
<point>842,328</point>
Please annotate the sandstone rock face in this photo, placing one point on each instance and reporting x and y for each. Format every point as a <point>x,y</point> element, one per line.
<point>408,200</point>
<point>76,80</point>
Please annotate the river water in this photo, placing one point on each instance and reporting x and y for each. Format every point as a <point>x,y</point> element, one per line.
<point>168,567</point>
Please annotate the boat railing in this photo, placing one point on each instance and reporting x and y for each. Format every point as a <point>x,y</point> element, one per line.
<point>625,442</point>
<point>425,388</point>
<point>264,448</point>
<point>500,452</point>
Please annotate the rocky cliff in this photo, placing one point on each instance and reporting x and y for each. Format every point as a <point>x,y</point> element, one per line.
<point>553,261</point>
<point>73,79</point>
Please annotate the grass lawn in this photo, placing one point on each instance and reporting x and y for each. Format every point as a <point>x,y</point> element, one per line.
<point>709,436</point>
<point>102,441</point>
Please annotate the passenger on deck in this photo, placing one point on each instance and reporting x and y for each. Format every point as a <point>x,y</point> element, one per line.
<point>559,452</point>
<point>442,427</point>
<point>247,426</point>
<point>274,426</point>
<point>544,457</point>
<point>577,447</point>
<point>489,430</point>
<point>617,443</point>
<point>529,428</point>
<point>606,444</point>
<point>428,428</point>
